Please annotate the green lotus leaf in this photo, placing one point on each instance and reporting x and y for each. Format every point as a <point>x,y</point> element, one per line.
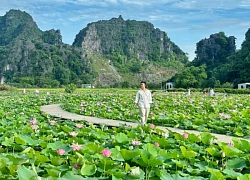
<point>93,148</point>
<point>180,163</point>
<point>42,158</point>
<point>231,173</point>
<point>155,161</point>
<point>3,162</point>
<point>16,160</point>
<point>216,174</point>
<point>206,138</point>
<point>24,173</point>
<point>245,113</point>
<point>142,161</point>
<point>56,145</point>
<point>56,161</point>
<point>127,154</point>
<point>127,167</point>
<point>212,151</point>
<point>116,155</point>
<point>26,150</point>
<point>239,133</point>
<point>66,129</point>
<point>193,138</point>
<point>121,138</point>
<point>53,172</point>
<point>236,163</point>
<point>151,149</point>
<point>244,177</point>
<point>229,150</point>
<point>88,170</point>
<point>29,140</point>
<point>245,144</point>
<point>7,141</point>
<point>19,140</point>
<point>71,176</point>
<point>187,154</point>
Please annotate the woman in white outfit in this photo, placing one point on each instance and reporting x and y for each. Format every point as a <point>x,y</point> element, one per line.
<point>211,92</point>
<point>143,99</point>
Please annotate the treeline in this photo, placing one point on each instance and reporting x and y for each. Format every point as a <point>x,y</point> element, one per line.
<point>217,64</point>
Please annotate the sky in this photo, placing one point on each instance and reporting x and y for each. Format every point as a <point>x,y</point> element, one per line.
<point>186,22</point>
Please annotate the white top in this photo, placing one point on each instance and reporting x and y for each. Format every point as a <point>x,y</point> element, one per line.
<point>211,92</point>
<point>144,99</point>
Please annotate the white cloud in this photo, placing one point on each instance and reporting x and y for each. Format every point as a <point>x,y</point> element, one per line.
<point>211,4</point>
<point>78,18</point>
<point>146,2</point>
<point>245,3</point>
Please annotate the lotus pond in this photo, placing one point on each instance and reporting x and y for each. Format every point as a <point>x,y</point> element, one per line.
<point>37,146</point>
<point>221,114</point>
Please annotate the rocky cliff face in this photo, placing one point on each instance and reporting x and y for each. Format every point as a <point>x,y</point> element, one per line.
<point>31,57</point>
<point>138,44</point>
<point>129,37</point>
<point>105,53</point>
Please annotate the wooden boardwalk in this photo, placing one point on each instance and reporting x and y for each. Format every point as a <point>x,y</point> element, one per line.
<point>56,111</point>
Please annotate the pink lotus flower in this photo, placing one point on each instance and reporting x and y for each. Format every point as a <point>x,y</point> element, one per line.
<point>35,127</point>
<point>52,122</point>
<point>79,125</point>
<point>230,144</point>
<point>185,135</point>
<point>136,143</point>
<point>74,134</point>
<point>76,166</point>
<point>60,152</point>
<point>152,126</point>
<point>33,122</point>
<point>224,116</point>
<point>106,152</point>
<point>166,134</point>
<point>157,144</point>
<point>76,147</point>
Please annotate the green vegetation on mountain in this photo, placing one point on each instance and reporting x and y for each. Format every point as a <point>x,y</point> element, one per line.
<point>240,63</point>
<point>223,65</point>
<point>30,57</point>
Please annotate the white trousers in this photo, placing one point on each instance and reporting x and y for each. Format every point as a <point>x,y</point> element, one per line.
<point>144,112</point>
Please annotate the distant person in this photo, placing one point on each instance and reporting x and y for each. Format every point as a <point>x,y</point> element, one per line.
<point>188,92</point>
<point>36,91</point>
<point>24,91</point>
<point>211,92</point>
<point>143,99</point>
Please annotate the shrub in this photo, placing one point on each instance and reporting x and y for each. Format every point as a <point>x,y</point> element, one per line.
<point>217,90</point>
<point>6,88</point>
<point>70,88</point>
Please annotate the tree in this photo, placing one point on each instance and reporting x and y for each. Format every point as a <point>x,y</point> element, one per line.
<point>191,77</point>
